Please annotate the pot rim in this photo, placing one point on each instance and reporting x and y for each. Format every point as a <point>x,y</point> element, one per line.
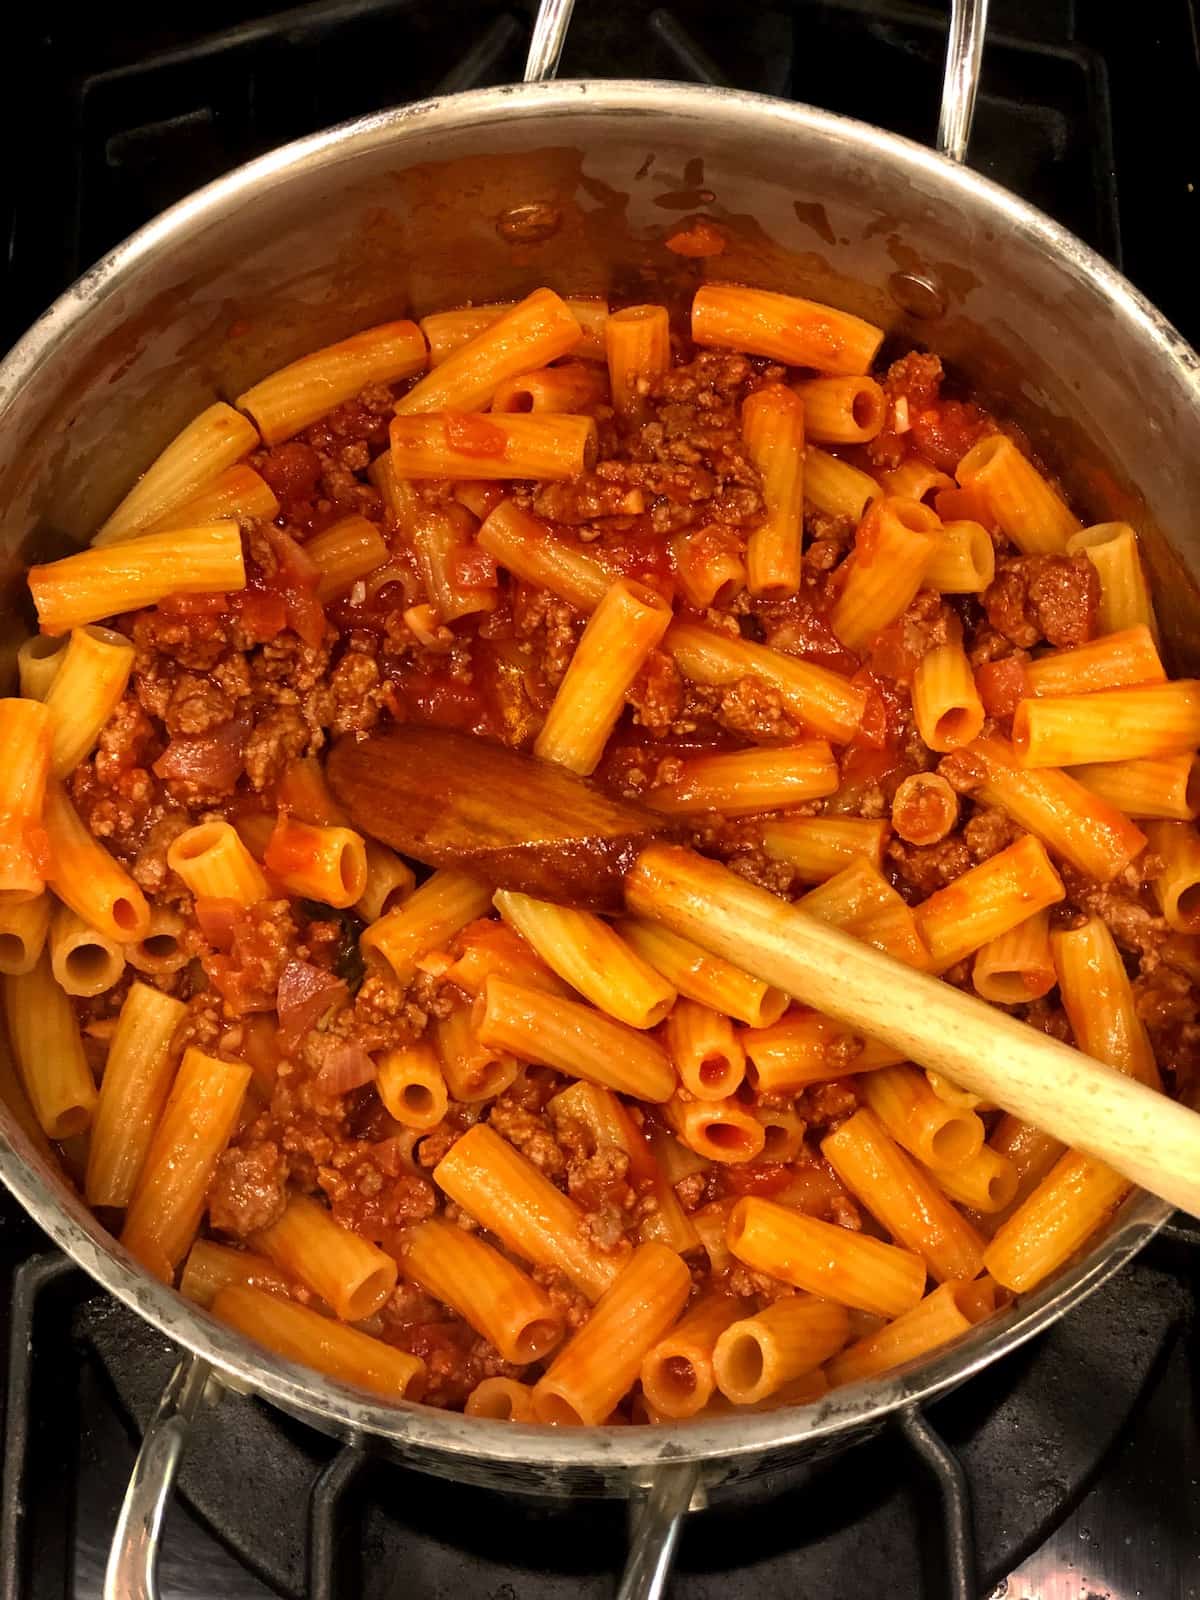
<point>624,1452</point>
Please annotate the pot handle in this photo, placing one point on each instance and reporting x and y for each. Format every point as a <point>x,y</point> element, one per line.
<point>132,1571</point>
<point>549,36</point>
<point>960,84</point>
<point>656,1529</point>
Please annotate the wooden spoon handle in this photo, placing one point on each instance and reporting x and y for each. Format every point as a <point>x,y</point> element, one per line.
<point>1152,1140</point>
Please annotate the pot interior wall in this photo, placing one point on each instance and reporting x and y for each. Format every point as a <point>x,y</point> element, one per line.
<point>579,187</point>
<point>576,189</point>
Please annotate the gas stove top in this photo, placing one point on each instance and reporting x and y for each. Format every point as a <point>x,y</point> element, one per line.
<point>1076,1461</point>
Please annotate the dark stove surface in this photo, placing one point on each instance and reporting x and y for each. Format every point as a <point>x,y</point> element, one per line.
<point>1082,1451</point>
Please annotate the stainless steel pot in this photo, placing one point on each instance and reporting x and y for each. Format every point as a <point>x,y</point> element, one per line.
<point>483,196</point>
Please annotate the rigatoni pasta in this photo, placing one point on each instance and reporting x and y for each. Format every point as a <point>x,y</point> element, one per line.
<point>211,443</point>
<point>138,1074</point>
<point>591,957</point>
<point>538,1154</point>
<point>773,427</point>
<point>524,337</point>
<point>629,621</point>
<point>198,1119</point>
<point>99,583</point>
<point>288,400</point>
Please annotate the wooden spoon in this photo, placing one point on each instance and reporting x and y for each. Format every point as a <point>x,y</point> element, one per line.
<point>454,801</point>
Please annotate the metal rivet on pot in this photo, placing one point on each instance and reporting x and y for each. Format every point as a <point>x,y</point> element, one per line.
<point>529,224</point>
<point>921,296</point>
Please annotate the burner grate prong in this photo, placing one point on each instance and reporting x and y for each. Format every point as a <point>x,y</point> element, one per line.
<point>330,1488</point>
<point>955,1493</point>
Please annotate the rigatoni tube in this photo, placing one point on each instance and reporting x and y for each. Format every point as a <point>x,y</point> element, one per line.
<point>137,1080</point>
<point>1112,549</point>
<point>49,1052</point>
<point>938,1134</point>
<point>1109,725</point>
<point>592,957</point>
<point>573,386</point>
<point>26,731</point>
<point>460,444</point>
<point>90,681</point>
<point>297,395</point>
<point>507,1195</point>
<point>963,560</point>
<point>38,661</point>
<point>209,444</point>
<point>924,808</point>
<point>986,1183</point>
<point>826,702</point>
<point>1080,826</point>
<point>987,901</point>
<point>758,1355</point>
<point>720,1130</point>
<point>843,410</point>
<point>946,703</point>
<point>312,1340</point>
<point>501,1400</point>
<point>502,1303</point>
<point>1099,1000</point>
<point>597,1365</point>
<point>349,1273</point>
<point>836,487</point>
<point>100,583</point>
<point>239,493</point>
<point>411,1085</point>
<point>349,550</point>
<point>737,782</point>
<point>1176,879</point>
<point>625,627</point>
<point>211,1267</point>
<point>1116,661</point>
<point>1167,787</point>
<point>708,980</point>
<point>528,549</point>
<point>197,1122</point>
<point>1032,513</point>
<point>433,913</point>
<point>83,874</point>
<point>946,1314</point>
<point>773,431</point>
<point>705,1049</point>
<point>805,1047</point>
<point>325,864</point>
<point>474,1071</point>
<point>677,1374</point>
<point>23,928</point>
<point>1016,967</point>
<point>84,960</point>
<point>849,1268</point>
<point>522,337</point>
<point>818,847</point>
<point>800,333</point>
<point>215,864</point>
<point>891,549</point>
<point>1063,1211</point>
<point>574,1039</point>
<point>902,1197</point>
<point>637,345</point>
<point>860,900</point>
